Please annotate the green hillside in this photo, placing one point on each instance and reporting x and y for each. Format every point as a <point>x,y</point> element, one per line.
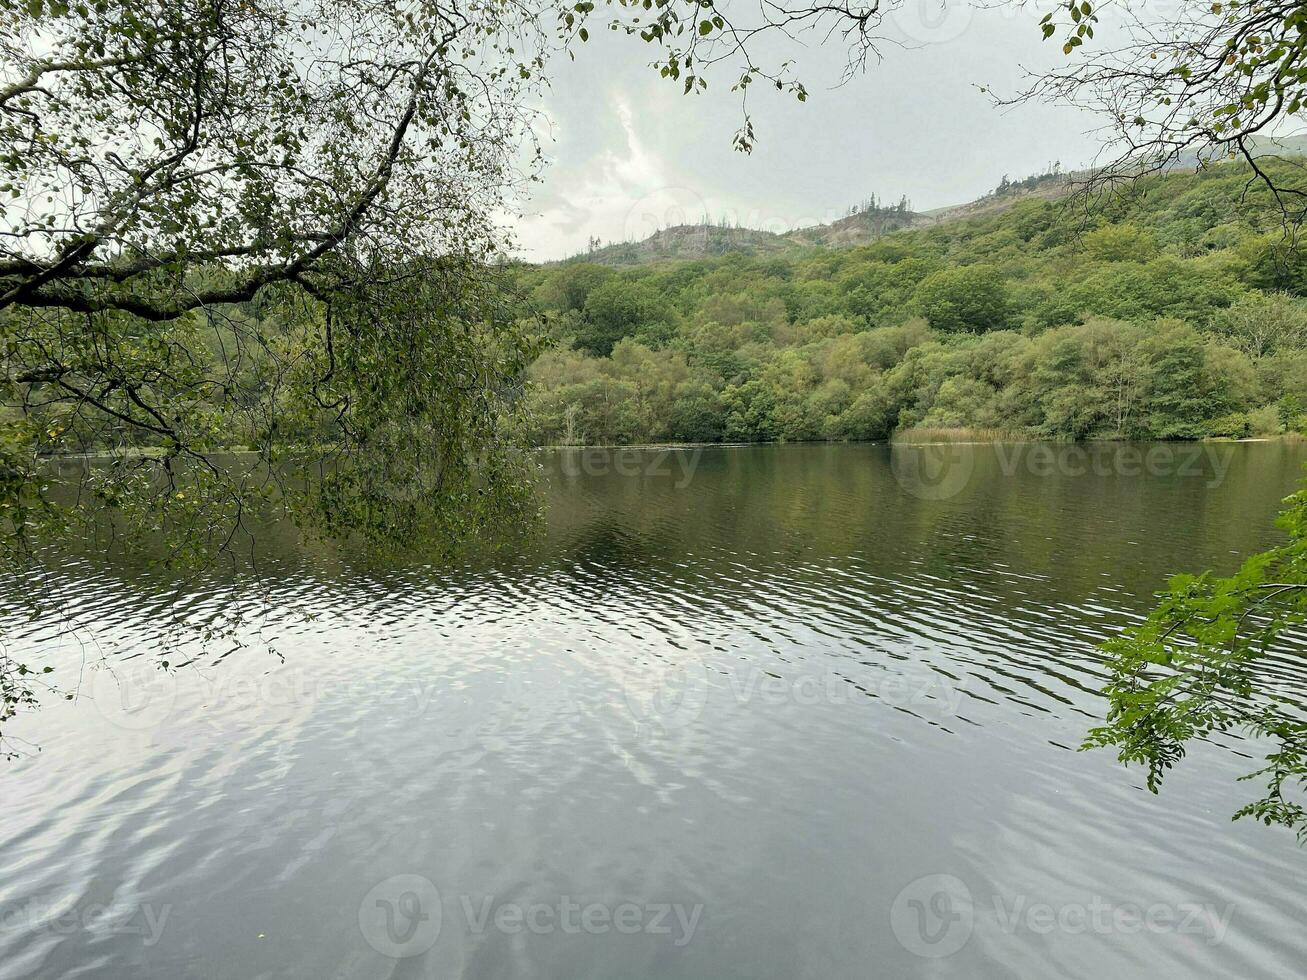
<point>1173,310</point>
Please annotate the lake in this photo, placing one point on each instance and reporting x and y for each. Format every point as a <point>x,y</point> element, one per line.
<point>800,711</point>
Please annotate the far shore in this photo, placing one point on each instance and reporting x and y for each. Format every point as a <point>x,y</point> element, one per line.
<point>908,437</point>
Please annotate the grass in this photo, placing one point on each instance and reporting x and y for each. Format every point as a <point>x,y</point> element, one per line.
<point>926,434</point>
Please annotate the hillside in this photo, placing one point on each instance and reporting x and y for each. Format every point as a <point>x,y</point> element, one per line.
<point>1172,311</point>
<point>687,242</point>
<point>707,240</point>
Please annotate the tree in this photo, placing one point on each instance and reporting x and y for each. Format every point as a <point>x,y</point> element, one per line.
<point>568,289</point>
<point>971,298</point>
<point>1262,324</point>
<point>269,226</point>
<point>1119,243</point>
<point>1207,82</point>
<point>266,226</point>
<point>619,308</point>
<point>147,143</point>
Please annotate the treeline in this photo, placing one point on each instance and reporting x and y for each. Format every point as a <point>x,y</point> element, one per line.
<point>1175,312</point>
<point>871,205</point>
<point>1009,186</point>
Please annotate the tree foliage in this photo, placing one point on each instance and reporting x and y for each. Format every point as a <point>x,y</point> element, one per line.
<point>266,227</point>
<point>971,298</point>
<point>1200,666</point>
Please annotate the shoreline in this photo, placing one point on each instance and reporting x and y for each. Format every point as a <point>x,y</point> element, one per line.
<point>941,440</point>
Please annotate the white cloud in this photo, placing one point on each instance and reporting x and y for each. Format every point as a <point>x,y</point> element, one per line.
<point>602,200</point>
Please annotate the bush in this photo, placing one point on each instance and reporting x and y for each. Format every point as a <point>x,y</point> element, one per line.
<point>1235,425</point>
<point>1264,421</point>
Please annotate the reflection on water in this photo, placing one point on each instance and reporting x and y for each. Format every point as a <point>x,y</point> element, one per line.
<point>799,711</point>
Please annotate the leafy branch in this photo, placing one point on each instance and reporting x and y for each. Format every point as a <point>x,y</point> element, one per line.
<point>1198,666</point>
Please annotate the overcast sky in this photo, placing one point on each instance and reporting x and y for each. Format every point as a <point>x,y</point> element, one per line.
<point>630,153</point>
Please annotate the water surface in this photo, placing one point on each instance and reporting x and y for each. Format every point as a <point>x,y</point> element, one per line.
<point>791,712</point>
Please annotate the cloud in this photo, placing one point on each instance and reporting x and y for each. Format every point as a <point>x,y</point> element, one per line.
<point>638,170</point>
<point>601,201</point>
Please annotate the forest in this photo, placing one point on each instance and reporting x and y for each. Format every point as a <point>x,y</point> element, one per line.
<point>1173,308</point>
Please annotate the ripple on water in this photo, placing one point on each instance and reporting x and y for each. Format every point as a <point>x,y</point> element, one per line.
<point>784,694</point>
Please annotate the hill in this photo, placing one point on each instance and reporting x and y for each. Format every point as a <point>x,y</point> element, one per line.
<point>1174,310</point>
<point>867,225</point>
<point>687,242</point>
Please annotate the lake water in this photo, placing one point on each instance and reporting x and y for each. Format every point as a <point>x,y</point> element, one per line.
<point>790,712</point>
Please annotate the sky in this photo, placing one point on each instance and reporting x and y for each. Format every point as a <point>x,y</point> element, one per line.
<point>628,153</point>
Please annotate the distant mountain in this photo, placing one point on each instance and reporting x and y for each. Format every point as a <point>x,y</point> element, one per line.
<point>708,240</point>
<point>1263,146</point>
